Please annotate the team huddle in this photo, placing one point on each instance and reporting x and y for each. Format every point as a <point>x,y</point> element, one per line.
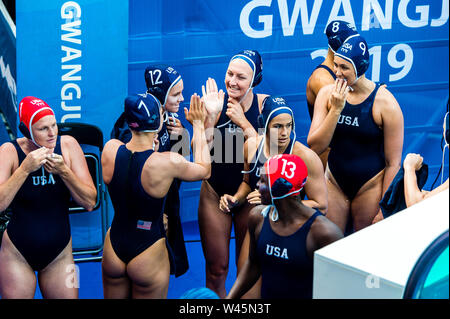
<point>285,199</point>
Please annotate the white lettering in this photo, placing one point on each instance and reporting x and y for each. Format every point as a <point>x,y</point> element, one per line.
<point>308,24</point>
<point>384,19</point>
<point>406,21</point>
<point>71,33</point>
<point>69,96</point>
<point>73,277</point>
<point>276,251</point>
<point>405,64</point>
<point>444,16</point>
<point>372,282</point>
<point>69,75</point>
<point>266,20</point>
<point>70,54</point>
<point>374,15</point>
<point>348,13</point>
<point>69,108</point>
<point>70,10</point>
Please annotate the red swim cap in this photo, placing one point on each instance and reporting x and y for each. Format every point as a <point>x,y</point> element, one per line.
<point>32,109</point>
<point>286,175</point>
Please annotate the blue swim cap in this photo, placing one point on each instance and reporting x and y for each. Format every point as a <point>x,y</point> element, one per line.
<point>160,79</point>
<point>253,58</point>
<point>271,107</point>
<point>337,32</point>
<point>142,112</point>
<point>200,293</point>
<point>356,51</point>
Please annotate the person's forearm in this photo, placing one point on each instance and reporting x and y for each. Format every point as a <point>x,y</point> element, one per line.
<point>84,194</point>
<point>9,189</point>
<point>413,194</point>
<point>320,139</point>
<point>242,192</point>
<point>248,129</point>
<point>314,204</point>
<point>200,147</point>
<point>245,280</point>
<point>210,122</point>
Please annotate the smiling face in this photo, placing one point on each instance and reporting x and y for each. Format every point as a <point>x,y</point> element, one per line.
<point>175,97</point>
<point>45,131</point>
<point>238,78</point>
<point>279,130</point>
<point>344,69</point>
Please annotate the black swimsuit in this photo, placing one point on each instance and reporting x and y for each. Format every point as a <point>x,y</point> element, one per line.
<point>39,226</point>
<point>357,147</point>
<point>228,161</point>
<point>138,217</point>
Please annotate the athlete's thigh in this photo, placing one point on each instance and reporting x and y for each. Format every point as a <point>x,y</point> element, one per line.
<point>215,227</point>
<point>338,205</point>
<point>17,279</point>
<point>150,272</point>
<point>60,279</point>
<point>241,227</point>
<point>116,284</point>
<point>365,206</point>
<point>112,266</point>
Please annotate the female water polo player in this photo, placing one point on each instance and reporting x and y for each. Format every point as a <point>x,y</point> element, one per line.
<point>284,234</point>
<point>232,118</point>
<point>136,260</point>
<point>363,124</point>
<point>38,175</point>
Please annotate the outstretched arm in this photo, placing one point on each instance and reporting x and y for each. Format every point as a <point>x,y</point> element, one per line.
<point>202,161</point>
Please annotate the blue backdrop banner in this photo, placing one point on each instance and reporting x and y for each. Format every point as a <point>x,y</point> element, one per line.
<point>73,55</point>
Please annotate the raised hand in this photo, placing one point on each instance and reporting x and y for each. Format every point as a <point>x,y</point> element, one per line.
<point>339,95</point>
<point>212,97</point>
<point>197,110</point>
<point>413,161</point>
